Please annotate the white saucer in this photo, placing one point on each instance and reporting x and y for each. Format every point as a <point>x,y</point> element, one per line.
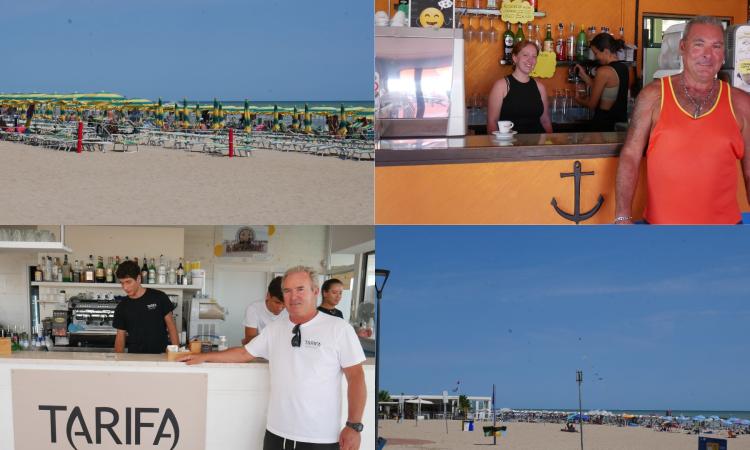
<point>504,136</point>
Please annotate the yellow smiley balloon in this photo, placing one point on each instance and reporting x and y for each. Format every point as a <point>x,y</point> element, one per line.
<point>431,18</point>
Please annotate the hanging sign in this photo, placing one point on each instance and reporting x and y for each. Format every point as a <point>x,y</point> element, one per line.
<point>432,13</point>
<point>517,11</point>
<point>545,65</point>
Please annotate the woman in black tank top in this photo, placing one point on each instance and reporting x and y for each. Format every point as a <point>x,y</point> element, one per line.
<point>518,97</point>
<point>612,72</point>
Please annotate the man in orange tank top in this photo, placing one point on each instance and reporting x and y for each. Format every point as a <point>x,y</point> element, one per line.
<point>694,129</point>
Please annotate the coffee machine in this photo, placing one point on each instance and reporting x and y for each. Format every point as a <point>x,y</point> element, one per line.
<point>203,315</point>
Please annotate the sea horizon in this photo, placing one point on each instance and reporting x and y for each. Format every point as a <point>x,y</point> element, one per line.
<point>723,413</point>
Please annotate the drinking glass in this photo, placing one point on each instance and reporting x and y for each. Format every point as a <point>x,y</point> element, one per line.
<point>480,33</point>
<point>469,33</point>
<point>493,31</point>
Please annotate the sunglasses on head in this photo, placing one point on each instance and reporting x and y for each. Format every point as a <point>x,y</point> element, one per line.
<point>297,338</point>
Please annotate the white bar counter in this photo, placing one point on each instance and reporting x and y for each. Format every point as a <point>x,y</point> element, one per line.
<point>237,394</point>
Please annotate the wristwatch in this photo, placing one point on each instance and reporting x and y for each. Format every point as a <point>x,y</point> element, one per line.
<point>355,426</point>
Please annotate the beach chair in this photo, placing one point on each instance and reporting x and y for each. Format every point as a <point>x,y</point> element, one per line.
<point>122,143</point>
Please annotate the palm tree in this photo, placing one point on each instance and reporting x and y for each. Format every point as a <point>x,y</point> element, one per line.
<point>464,404</point>
<point>384,396</point>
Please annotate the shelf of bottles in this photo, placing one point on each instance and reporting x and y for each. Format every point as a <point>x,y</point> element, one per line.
<point>54,272</point>
<point>490,11</point>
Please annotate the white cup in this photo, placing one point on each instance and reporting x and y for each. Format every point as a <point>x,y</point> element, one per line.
<point>504,126</point>
<point>398,19</point>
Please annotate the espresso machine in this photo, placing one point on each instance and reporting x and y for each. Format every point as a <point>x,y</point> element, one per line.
<point>419,82</point>
<point>91,319</point>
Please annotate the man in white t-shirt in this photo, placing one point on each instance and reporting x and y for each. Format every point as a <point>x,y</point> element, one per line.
<point>308,354</point>
<point>260,314</point>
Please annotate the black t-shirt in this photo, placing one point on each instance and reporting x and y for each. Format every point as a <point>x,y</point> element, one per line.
<point>331,312</point>
<point>143,319</point>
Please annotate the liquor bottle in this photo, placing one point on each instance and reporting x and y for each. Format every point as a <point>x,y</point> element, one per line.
<point>67,276</point>
<point>530,33</point>
<point>53,276</point>
<point>152,272</point>
<point>39,272</point>
<point>161,274</point>
<point>519,34</point>
<point>180,273</point>
<point>77,271</point>
<point>171,274</point>
<point>560,42</point>
<point>100,275</point>
<point>58,265</point>
<point>537,35</point>
<point>581,45</point>
<point>144,271</point>
<point>549,44</point>
<point>48,269</point>
<point>110,274</point>
<point>508,40</point>
<point>115,266</point>
<point>621,52</point>
<point>89,275</point>
<point>570,46</point>
<point>135,260</point>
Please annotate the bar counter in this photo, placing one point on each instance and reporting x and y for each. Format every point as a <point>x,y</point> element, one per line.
<point>237,394</point>
<point>558,178</point>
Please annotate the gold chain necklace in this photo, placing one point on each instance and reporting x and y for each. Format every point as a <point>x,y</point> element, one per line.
<point>698,106</point>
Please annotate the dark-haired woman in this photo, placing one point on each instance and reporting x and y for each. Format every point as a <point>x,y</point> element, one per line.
<point>331,291</point>
<point>518,97</point>
<point>609,88</point>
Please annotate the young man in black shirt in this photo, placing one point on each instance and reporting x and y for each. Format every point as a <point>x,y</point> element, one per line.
<point>331,292</point>
<point>144,317</point>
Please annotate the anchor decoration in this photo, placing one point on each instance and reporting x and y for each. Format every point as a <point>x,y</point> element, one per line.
<point>577,217</point>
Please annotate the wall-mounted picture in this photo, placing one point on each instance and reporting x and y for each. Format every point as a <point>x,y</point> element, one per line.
<point>245,240</point>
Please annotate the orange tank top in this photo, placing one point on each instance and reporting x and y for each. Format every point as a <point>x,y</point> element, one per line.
<point>692,163</point>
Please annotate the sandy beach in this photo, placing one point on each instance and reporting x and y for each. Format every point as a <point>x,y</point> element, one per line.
<point>540,436</point>
<point>166,186</point>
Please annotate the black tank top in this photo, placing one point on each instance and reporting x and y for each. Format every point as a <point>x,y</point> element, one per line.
<point>523,106</point>
<point>605,120</point>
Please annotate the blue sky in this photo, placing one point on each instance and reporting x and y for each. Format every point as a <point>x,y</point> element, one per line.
<point>655,317</point>
<point>230,49</point>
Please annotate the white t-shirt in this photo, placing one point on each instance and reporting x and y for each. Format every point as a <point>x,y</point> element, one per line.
<point>305,400</point>
<point>258,316</point>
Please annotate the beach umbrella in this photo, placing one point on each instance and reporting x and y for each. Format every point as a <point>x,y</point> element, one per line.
<point>308,120</point>
<point>714,418</point>
<point>744,422</point>
<point>247,124</point>
<point>699,418</point>
<point>343,124</point>
<point>159,114</point>
<point>197,114</point>
<point>185,121</point>
<point>295,122</point>
<point>275,128</point>
<point>215,115</point>
<point>221,115</point>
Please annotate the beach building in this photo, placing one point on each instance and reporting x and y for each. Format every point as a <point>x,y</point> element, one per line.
<point>430,406</point>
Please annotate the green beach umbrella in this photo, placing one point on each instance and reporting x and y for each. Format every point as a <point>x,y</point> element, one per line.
<point>275,119</point>
<point>215,115</point>
<point>246,117</point>
<point>159,114</point>
<point>185,121</point>
<point>295,122</point>
<point>343,124</point>
<point>308,120</point>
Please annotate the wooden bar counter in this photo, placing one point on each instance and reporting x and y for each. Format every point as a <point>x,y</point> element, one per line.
<point>533,179</point>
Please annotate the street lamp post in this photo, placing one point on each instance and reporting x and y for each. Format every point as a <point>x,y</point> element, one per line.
<point>579,380</point>
<point>381,277</point>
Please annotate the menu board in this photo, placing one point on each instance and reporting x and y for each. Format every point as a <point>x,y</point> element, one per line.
<point>517,11</point>
<point>432,13</point>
